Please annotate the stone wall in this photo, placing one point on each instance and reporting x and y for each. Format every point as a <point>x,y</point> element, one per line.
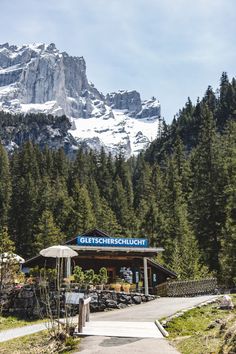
<point>103,300</point>
<point>33,302</point>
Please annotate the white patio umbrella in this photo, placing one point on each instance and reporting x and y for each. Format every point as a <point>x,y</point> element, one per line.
<point>58,252</point>
<point>8,257</point>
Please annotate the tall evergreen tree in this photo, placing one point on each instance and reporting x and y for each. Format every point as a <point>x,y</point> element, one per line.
<point>227,255</point>
<point>82,217</point>
<point>5,187</point>
<point>46,232</point>
<point>206,201</point>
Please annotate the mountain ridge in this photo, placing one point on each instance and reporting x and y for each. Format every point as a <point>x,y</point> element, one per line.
<point>38,78</point>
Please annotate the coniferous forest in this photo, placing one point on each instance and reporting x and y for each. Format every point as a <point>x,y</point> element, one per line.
<point>180,193</point>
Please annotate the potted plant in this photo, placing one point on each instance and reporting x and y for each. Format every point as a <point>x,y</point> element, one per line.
<point>78,275</point>
<point>89,278</point>
<point>97,281</point>
<point>117,285</point>
<point>103,276</point>
<point>126,287</point>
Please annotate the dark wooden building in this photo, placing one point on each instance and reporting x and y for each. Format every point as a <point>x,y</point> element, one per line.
<point>139,261</point>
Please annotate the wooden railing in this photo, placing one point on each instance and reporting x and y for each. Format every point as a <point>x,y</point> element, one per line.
<point>84,312</point>
<point>187,287</point>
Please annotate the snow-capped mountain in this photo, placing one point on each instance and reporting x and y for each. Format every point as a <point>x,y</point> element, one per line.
<point>38,78</point>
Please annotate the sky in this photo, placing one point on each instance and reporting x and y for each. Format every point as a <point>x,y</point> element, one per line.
<point>170,49</point>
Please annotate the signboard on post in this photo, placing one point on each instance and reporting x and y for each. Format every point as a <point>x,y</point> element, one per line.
<point>73,298</point>
<point>112,241</point>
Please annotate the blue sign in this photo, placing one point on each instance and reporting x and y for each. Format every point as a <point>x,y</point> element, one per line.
<point>111,241</point>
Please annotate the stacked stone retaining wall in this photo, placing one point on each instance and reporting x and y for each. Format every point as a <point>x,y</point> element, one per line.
<point>35,302</point>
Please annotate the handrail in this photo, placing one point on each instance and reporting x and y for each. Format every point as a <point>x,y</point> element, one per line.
<point>84,312</point>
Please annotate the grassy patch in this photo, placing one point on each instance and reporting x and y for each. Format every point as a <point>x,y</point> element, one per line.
<point>38,343</point>
<point>198,345</point>
<point>205,330</point>
<point>193,321</point>
<point>12,322</point>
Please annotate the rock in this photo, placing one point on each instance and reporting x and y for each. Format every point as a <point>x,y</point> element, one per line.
<point>125,299</point>
<point>150,297</point>
<point>137,299</point>
<point>111,304</point>
<point>94,307</point>
<point>114,295</point>
<point>129,100</point>
<point>223,326</point>
<point>121,306</point>
<point>101,307</point>
<point>107,296</point>
<point>226,303</point>
<point>212,325</point>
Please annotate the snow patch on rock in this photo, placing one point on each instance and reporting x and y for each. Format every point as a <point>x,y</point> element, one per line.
<point>38,78</point>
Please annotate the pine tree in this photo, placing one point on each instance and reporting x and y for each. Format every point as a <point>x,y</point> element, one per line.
<point>227,255</point>
<point>186,260</point>
<point>210,99</point>
<point>82,217</point>
<point>207,211</point>
<point>62,204</point>
<point>46,232</point>
<point>223,111</point>
<point>6,244</point>
<point>151,224</point>
<point>7,247</point>
<point>119,203</point>
<point>24,202</point>
<point>106,219</point>
<point>142,186</point>
<point>5,187</point>
<point>104,175</point>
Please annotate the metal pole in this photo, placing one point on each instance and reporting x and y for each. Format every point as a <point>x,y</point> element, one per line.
<point>145,275</point>
<point>68,267</point>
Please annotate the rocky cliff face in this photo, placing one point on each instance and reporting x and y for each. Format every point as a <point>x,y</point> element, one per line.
<point>129,100</point>
<point>43,130</point>
<point>38,78</point>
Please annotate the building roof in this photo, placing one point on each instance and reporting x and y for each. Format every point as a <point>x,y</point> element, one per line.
<point>132,251</point>
<point>93,232</point>
<point>169,272</point>
<point>95,250</point>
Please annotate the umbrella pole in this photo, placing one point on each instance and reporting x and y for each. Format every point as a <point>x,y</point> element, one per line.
<point>58,270</point>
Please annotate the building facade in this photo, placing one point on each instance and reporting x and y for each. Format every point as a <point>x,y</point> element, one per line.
<point>127,259</point>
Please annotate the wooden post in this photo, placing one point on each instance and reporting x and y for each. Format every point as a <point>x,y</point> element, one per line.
<point>145,275</point>
<point>84,311</point>
<point>87,312</point>
<point>81,310</point>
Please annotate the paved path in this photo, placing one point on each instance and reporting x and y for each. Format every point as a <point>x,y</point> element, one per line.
<point>148,312</point>
<point>152,310</point>
<point>117,345</point>
<point>21,331</point>
<point>122,329</point>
